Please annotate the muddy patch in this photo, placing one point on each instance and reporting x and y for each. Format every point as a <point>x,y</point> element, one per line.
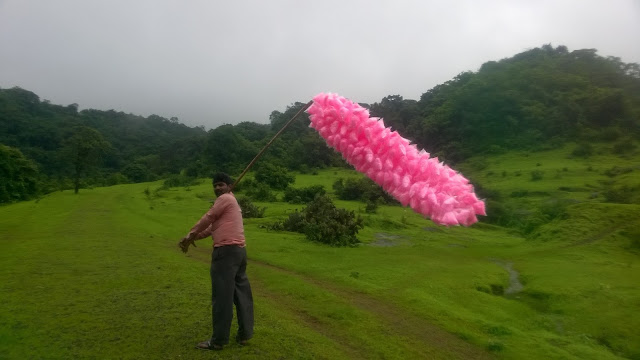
<point>431,229</point>
<point>387,240</point>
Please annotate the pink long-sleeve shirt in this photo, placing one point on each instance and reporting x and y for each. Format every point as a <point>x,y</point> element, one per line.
<point>223,222</point>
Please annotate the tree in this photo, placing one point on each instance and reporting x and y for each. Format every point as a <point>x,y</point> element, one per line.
<point>83,149</point>
<point>18,175</point>
<point>137,172</point>
<point>227,150</point>
<point>277,177</point>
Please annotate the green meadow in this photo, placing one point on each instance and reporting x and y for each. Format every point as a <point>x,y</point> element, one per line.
<point>99,275</point>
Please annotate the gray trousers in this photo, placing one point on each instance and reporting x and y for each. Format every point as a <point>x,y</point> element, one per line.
<point>230,285</point>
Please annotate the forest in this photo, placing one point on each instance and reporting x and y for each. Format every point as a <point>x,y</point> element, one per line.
<point>540,99</point>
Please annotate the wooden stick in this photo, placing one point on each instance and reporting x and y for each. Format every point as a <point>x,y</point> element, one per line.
<point>305,107</point>
<point>193,241</point>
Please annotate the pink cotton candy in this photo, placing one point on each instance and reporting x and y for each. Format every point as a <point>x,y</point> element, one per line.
<point>408,174</point>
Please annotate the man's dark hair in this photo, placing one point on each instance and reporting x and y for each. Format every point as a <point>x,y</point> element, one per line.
<point>222,177</point>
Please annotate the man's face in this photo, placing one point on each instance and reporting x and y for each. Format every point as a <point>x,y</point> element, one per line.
<point>220,188</point>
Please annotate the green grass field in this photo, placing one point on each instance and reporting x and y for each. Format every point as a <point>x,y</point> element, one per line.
<point>99,275</point>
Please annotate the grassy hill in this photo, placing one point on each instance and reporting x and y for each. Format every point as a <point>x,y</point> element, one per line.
<point>99,275</point>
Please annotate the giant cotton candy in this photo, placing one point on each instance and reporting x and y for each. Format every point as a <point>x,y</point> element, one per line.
<point>411,176</point>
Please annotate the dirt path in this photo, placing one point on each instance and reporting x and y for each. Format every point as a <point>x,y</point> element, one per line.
<point>421,336</point>
<point>417,331</point>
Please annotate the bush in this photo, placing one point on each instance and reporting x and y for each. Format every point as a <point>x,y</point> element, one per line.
<point>260,192</point>
<point>304,169</point>
<point>19,176</point>
<point>498,213</point>
<point>248,183</point>
<point>363,189</point>
<point>609,134</point>
<point>351,189</point>
<point>622,194</point>
<point>555,208</point>
<point>615,171</point>
<point>249,210</point>
<point>634,238</point>
<point>480,163</point>
<point>583,150</point>
<point>371,207</point>
<point>116,178</point>
<point>303,195</point>
<point>179,180</point>
<point>322,222</point>
<point>137,173</point>
<point>537,175</point>
<point>276,177</point>
<point>295,222</point>
<point>626,146</point>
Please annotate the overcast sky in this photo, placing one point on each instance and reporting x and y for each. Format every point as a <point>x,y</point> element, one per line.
<point>211,62</point>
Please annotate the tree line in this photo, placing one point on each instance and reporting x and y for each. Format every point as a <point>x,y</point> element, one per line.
<point>538,99</point>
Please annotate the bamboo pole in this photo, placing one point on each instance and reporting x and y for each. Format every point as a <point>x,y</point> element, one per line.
<point>305,107</point>
<point>185,246</point>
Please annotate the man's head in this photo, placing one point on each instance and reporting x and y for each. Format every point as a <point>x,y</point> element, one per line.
<point>221,183</point>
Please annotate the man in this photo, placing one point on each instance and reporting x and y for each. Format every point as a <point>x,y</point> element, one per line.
<point>229,282</point>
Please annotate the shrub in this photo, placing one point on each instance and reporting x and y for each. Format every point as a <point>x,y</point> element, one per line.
<point>322,222</point>
<point>495,346</point>
<point>623,147</point>
<point>609,134</point>
<point>276,177</point>
<point>260,192</point>
<point>480,163</point>
<point>519,193</point>
<point>245,184</point>
<point>249,210</point>
<point>371,207</point>
<point>537,175</point>
<point>555,208</point>
<point>347,190</point>
<point>363,189</point>
<point>483,192</point>
<point>634,238</point>
<point>179,180</point>
<point>137,172</point>
<point>583,150</point>
<point>495,149</point>
<point>116,178</point>
<point>303,195</point>
<point>497,289</point>
<point>304,169</point>
<point>295,222</point>
<point>622,194</point>
<point>615,171</point>
<point>19,176</point>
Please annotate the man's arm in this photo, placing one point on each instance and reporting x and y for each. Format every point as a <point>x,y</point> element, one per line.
<point>193,235</point>
<point>206,233</point>
<point>204,227</point>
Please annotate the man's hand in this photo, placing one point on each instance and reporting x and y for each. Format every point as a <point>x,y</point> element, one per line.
<point>185,242</point>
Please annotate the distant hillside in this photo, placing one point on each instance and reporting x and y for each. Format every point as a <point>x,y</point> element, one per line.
<point>39,130</point>
<point>536,100</point>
